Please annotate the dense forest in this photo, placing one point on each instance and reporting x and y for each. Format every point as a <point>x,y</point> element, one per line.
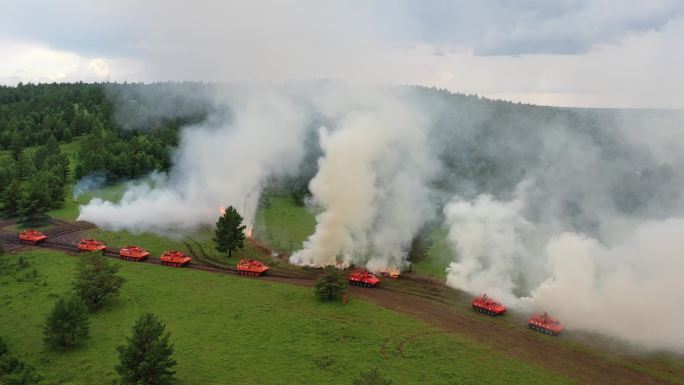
<point>54,134</point>
<point>35,119</point>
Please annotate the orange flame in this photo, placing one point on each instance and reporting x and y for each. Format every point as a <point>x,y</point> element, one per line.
<point>222,210</point>
<point>248,232</point>
<point>391,273</point>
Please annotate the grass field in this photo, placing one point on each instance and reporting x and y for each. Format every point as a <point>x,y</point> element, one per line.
<point>69,212</point>
<point>198,244</point>
<point>237,330</point>
<point>438,257</point>
<point>69,149</point>
<point>282,225</point>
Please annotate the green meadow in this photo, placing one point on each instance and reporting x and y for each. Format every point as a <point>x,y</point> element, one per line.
<point>239,330</point>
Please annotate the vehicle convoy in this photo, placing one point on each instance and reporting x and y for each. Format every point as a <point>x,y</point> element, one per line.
<point>253,267</point>
<point>133,253</point>
<point>174,258</point>
<point>486,305</point>
<point>88,245</point>
<point>544,323</point>
<point>32,237</point>
<point>363,278</point>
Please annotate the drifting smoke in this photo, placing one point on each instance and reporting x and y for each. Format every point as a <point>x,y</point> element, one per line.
<point>630,289</point>
<point>489,236</point>
<point>225,160</point>
<point>89,183</point>
<point>372,184</point>
<point>141,106</point>
<point>575,212</point>
<point>592,234</point>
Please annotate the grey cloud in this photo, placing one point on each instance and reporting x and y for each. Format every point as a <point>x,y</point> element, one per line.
<point>497,27</point>
<point>575,27</point>
<point>489,27</point>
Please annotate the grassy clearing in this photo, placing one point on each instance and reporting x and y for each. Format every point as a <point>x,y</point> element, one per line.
<point>199,244</point>
<point>69,212</point>
<point>282,218</point>
<point>438,257</point>
<point>282,225</point>
<point>236,330</point>
<point>69,149</point>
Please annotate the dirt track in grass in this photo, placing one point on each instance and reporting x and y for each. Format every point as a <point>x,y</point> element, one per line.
<point>437,305</point>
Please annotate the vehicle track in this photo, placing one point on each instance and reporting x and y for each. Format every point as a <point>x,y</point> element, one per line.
<point>402,337</point>
<point>419,302</point>
<point>14,244</point>
<point>411,338</point>
<point>63,229</point>
<point>520,342</point>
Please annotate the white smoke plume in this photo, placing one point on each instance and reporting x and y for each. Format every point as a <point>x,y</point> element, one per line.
<point>224,161</point>
<point>372,181</point>
<point>372,184</point>
<point>632,289</point>
<point>592,235</point>
<point>88,183</point>
<point>571,211</point>
<point>490,236</point>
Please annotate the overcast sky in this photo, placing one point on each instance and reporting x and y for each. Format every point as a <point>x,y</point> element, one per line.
<point>600,53</point>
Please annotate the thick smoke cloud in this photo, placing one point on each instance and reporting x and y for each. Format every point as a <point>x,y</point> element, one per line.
<point>372,183</point>
<point>490,237</point>
<point>576,212</point>
<point>89,183</point>
<point>224,161</point>
<point>591,234</point>
<point>631,289</point>
<point>141,106</point>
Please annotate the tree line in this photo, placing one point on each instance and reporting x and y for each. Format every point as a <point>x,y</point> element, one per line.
<point>37,120</point>
<point>31,183</point>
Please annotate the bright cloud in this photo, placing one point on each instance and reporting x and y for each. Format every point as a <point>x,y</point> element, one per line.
<point>577,53</point>
<point>22,61</point>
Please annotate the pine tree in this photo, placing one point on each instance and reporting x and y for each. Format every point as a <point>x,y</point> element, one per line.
<point>56,189</point>
<point>11,200</point>
<point>23,166</point>
<point>36,203</point>
<point>67,325</point>
<point>79,124</point>
<point>146,358</point>
<point>7,175</point>
<point>230,232</point>
<point>66,135</point>
<point>96,280</point>
<point>16,146</point>
<point>331,286</point>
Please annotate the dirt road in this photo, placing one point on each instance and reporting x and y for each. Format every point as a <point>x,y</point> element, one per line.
<point>437,305</point>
